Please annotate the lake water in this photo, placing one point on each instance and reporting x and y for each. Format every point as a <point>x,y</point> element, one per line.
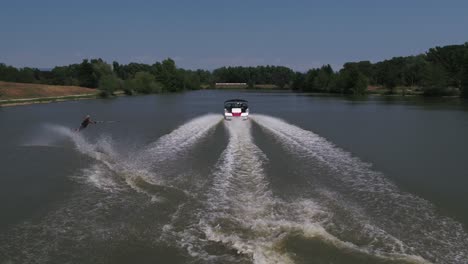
<point>164,179</point>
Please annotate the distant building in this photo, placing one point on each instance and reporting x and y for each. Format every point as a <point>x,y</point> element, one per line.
<point>231,85</point>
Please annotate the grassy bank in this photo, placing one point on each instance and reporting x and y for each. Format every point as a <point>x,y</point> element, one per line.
<point>28,93</point>
<point>43,100</point>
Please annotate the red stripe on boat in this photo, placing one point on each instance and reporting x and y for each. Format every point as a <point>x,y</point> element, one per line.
<point>236,114</point>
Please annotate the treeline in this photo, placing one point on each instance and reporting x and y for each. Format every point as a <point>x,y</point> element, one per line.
<point>277,75</point>
<point>439,71</point>
<point>134,77</point>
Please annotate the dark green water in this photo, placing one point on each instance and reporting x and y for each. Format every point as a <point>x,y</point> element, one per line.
<point>307,179</point>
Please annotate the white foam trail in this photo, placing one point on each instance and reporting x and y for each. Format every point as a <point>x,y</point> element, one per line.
<point>86,219</point>
<point>97,150</point>
<point>169,146</point>
<point>244,214</point>
<point>162,152</point>
<point>43,138</point>
<point>240,179</point>
<point>101,151</point>
<point>166,151</point>
<point>410,219</point>
<point>240,196</point>
<point>98,176</point>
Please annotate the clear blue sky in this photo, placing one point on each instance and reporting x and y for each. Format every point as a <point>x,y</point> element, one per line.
<point>209,34</point>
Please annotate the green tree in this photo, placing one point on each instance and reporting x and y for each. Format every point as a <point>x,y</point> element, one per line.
<point>166,73</point>
<point>324,80</point>
<point>414,70</point>
<point>360,83</point>
<point>365,67</point>
<point>298,81</point>
<point>26,75</point>
<point>390,73</point>
<point>190,79</point>
<point>144,82</point>
<point>309,82</point>
<point>352,81</point>
<point>65,75</point>
<point>205,76</point>
<point>450,58</point>
<point>101,68</point>
<point>435,80</point>
<point>8,73</point>
<point>464,79</point>
<point>86,75</point>
<point>108,84</point>
<point>281,76</point>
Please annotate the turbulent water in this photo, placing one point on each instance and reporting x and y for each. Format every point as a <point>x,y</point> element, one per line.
<point>153,203</point>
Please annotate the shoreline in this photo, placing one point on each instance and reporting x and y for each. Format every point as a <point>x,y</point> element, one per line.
<point>65,98</point>
<point>13,93</point>
<point>53,99</point>
<point>46,100</point>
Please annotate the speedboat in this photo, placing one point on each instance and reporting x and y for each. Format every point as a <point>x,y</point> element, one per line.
<point>236,108</point>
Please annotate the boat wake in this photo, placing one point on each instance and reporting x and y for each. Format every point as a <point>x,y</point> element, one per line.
<point>391,220</point>
<point>241,212</point>
<point>352,214</point>
<point>144,165</point>
<point>112,205</point>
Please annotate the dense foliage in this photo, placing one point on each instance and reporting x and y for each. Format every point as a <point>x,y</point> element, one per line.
<point>277,75</point>
<point>134,77</point>
<point>440,71</point>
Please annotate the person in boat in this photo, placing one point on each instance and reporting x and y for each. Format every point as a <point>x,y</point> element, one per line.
<point>85,123</point>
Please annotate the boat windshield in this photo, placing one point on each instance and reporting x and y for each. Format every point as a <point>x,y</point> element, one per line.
<point>230,105</point>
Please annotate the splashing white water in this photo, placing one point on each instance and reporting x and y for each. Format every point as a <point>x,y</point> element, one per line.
<point>240,199</point>
<point>243,213</point>
<point>424,232</point>
<point>138,166</point>
<point>170,146</point>
<point>110,213</point>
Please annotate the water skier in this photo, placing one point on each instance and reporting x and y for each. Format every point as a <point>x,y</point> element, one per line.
<point>85,123</point>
